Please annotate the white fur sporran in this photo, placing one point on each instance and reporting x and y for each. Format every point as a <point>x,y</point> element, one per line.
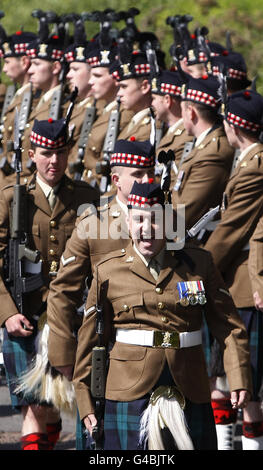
<point>45,382</point>
<point>165,410</point>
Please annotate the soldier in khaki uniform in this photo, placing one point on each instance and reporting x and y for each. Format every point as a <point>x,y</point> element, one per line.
<point>241,210</point>
<point>86,108</point>
<point>94,236</point>
<point>255,264</point>
<point>132,74</point>
<point>142,292</point>
<point>52,204</point>
<point>204,170</point>
<point>16,66</point>
<point>103,87</point>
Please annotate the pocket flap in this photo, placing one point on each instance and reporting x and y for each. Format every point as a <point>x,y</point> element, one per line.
<point>127,352</point>
<point>127,303</point>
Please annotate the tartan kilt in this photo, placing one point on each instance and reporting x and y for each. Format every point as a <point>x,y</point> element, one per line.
<point>18,354</point>
<point>122,424</point>
<point>253,320</point>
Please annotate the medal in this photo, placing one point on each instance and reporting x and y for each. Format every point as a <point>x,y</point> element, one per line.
<point>201,299</point>
<point>193,299</point>
<point>184,302</point>
<point>192,290</point>
<point>201,293</point>
<point>183,298</point>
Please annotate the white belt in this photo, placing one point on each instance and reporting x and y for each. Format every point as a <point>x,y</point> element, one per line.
<point>159,339</point>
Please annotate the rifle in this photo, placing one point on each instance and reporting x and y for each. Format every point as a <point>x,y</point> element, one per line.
<point>24,112</point>
<point>19,256</point>
<point>98,375</point>
<point>202,223</point>
<point>77,167</point>
<point>103,167</point>
<point>10,92</point>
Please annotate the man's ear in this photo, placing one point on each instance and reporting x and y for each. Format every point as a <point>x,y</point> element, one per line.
<point>26,62</point>
<point>56,67</point>
<point>31,154</point>
<point>115,177</point>
<point>145,87</point>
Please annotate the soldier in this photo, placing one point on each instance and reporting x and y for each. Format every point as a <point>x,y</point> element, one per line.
<point>46,72</point>
<point>166,102</point>
<point>16,66</point>
<point>255,268</point>
<point>132,75</point>
<point>103,87</point>
<point>204,170</point>
<point>86,109</point>
<point>234,69</point>
<point>52,202</point>
<point>131,161</point>
<point>154,328</point>
<point>241,209</point>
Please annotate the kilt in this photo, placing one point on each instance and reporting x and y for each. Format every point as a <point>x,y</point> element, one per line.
<point>122,424</point>
<point>18,354</point>
<point>253,320</point>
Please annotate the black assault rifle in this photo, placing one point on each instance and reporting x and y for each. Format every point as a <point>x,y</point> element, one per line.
<point>76,168</point>
<point>98,375</point>
<point>103,167</point>
<point>19,256</point>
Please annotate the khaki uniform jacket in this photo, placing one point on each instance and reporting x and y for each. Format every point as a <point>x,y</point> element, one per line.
<point>203,176</point>
<point>140,129</point>
<point>131,298</point>
<point>48,232</point>
<point>242,208</point>
<point>93,151</point>
<point>255,259</point>
<point>94,237</point>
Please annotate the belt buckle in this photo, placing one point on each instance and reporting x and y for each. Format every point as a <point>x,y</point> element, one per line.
<point>166,339</point>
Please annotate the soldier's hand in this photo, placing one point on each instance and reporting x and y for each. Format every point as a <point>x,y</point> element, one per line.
<point>90,422</point>
<point>66,370</point>
<point>258,301</point>
<point>240,398</point>
<point>19,325</point>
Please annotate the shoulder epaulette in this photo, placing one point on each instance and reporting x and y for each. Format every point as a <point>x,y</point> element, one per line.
<point>114,254</point>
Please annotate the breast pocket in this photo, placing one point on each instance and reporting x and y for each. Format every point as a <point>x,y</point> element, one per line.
<point>130,306</point>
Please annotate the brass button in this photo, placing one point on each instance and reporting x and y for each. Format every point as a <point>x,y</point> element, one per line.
<point>165,320</point>
<point>158,290</point>
<point>52,238</point>
<point>126,308</point>
<point>53,223</point>
<point>51,252</point>
<point>161,305</point>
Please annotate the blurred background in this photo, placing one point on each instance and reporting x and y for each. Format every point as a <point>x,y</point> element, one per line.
<point>242,18</point>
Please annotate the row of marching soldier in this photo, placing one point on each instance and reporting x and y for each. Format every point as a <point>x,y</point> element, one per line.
<point>94,134</point>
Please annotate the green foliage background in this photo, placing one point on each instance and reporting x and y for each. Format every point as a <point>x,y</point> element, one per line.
<point>243,18</point>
